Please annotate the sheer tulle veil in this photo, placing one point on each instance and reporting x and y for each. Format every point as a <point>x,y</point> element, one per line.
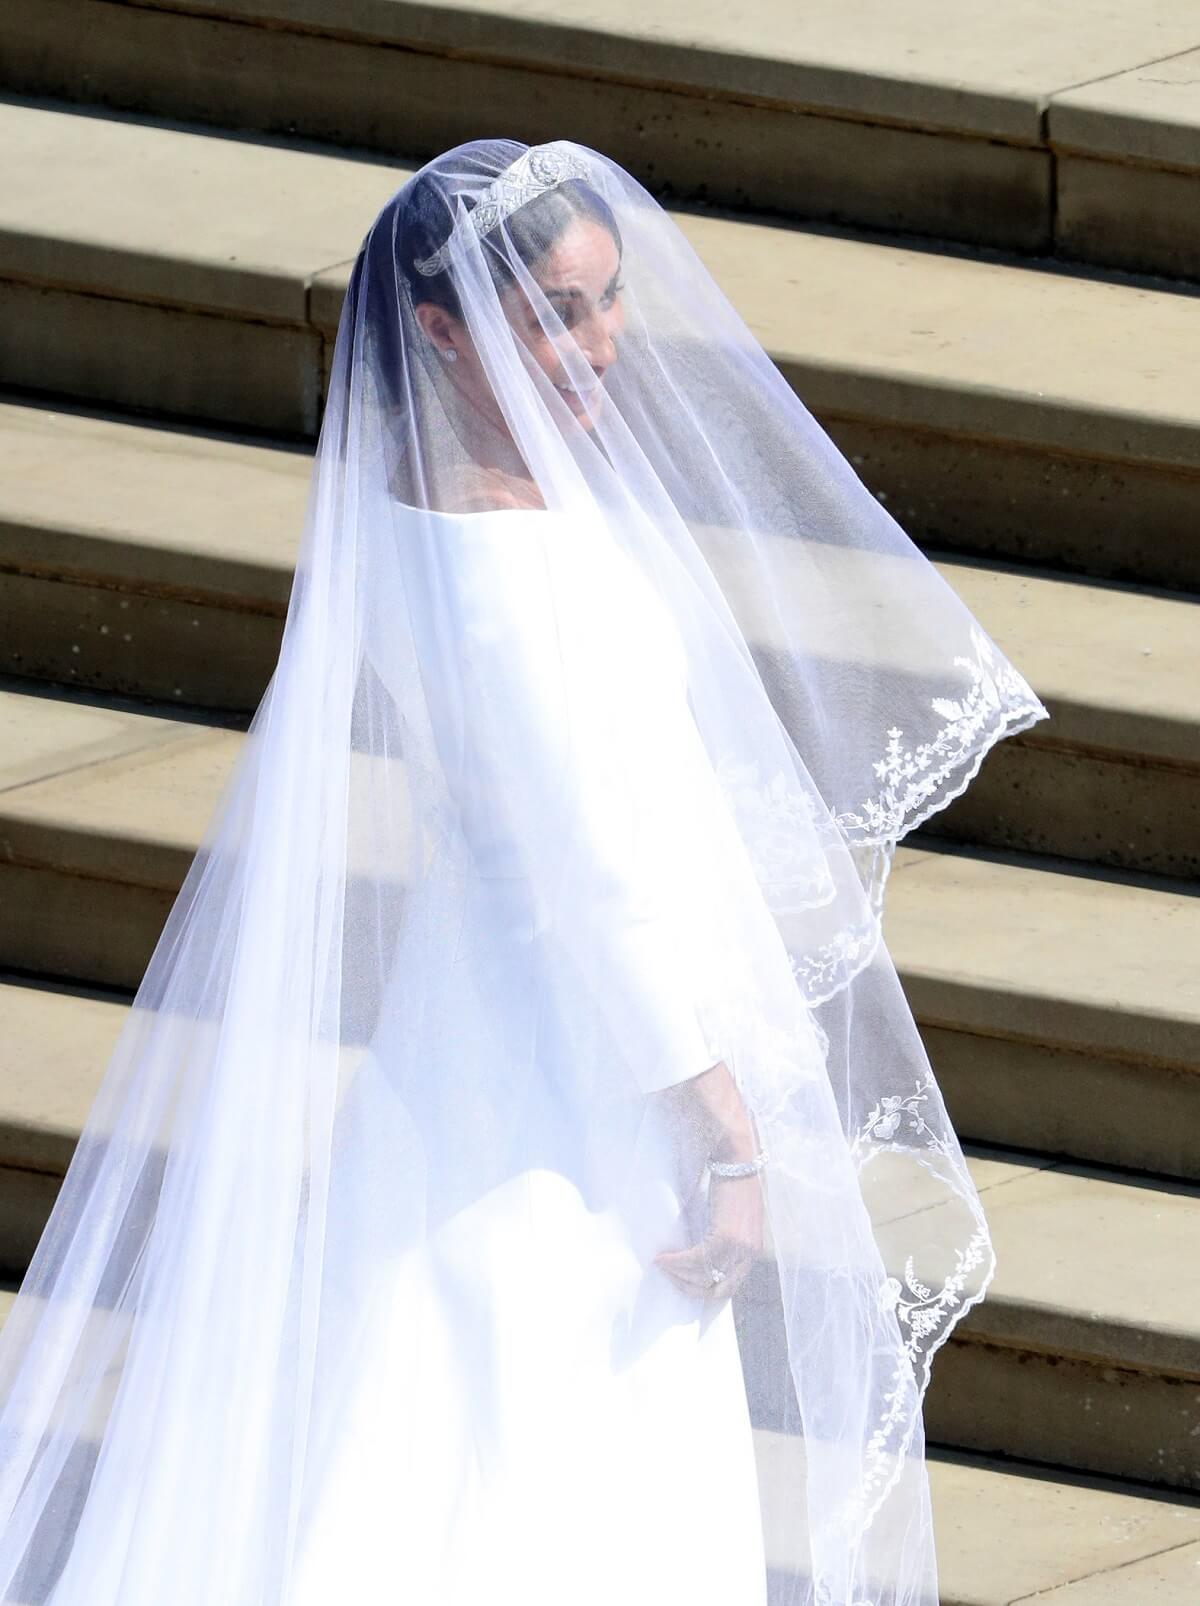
<point>463,763</point>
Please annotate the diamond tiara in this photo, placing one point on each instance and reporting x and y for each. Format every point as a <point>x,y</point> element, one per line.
<point>535,171</point>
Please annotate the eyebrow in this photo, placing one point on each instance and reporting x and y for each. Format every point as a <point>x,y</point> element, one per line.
<point>568,290</point>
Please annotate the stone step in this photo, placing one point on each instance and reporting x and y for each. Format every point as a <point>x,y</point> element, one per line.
<point>1086,1351</point>
<point>57,1043</point>
<point>1061,1009</point>
<point>1072,131</point>
<point>145,560</point>
<point>986,403</point>
<point>122,570</point>
<point>1009,1531</point>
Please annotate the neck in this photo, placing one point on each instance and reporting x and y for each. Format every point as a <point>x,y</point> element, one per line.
<point>483,433</point>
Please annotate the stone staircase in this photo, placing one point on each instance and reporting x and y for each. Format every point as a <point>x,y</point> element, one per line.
<point>1068,129</point>
<point>1013,373</point>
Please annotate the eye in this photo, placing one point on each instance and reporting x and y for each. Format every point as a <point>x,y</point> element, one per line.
<point>611,294</point>
<point>566,313</point>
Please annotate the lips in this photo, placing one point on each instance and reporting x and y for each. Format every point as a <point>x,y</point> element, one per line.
<point>596,383</point>
<point>590,394</point>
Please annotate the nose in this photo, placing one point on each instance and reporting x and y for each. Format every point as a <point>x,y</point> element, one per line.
<point>596,341</point>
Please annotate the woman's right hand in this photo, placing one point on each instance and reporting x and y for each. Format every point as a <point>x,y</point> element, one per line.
<point>731,1243</point>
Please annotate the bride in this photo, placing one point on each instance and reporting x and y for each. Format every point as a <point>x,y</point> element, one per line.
<point>520,1174</point>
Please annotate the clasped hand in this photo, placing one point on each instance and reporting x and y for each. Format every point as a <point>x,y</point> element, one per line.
<point>731,1244</point>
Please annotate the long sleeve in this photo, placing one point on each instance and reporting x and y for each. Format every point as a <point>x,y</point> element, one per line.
<point>573,698</point>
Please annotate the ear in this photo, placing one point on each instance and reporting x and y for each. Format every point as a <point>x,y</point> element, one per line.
<point>439,326</point>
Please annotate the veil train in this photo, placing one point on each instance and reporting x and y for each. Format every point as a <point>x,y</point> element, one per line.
<point>553,861</point>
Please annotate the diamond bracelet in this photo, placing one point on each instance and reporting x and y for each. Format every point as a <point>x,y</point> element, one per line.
<point>738,1168</point>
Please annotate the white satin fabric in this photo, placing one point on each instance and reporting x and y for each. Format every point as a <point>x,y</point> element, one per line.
<point>568,705</point>
<point>525,1388</point>
<point>350,1292</point>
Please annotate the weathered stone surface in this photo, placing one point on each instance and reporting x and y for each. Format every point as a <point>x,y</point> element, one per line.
<point>1008,1531</point>
<point>924,120</point>
<point>1042,953</point>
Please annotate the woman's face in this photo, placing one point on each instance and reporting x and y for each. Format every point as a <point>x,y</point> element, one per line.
<point>580,277</point>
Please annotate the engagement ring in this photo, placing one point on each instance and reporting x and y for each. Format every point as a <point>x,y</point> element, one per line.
<point>716,1274</point>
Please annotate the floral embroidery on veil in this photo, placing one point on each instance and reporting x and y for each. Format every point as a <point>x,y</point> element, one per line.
<point>997,704</point>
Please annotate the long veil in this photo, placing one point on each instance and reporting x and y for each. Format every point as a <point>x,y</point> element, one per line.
<point>460,766</point>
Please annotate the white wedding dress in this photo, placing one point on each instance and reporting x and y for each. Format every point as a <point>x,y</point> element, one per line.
<point>353,1290</point>
<point>529,1409</point>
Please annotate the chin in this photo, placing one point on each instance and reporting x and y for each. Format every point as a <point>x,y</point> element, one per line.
<point>587,413</point>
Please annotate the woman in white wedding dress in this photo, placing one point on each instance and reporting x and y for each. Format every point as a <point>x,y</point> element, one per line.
<point>559,1438</point>
<point>520,1175</point>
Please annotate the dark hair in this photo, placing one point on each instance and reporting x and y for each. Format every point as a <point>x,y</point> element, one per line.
<point>424,222</point>
<point>413,225</point>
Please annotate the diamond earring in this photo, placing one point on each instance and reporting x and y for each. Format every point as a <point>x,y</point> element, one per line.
<point>450,354</point>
